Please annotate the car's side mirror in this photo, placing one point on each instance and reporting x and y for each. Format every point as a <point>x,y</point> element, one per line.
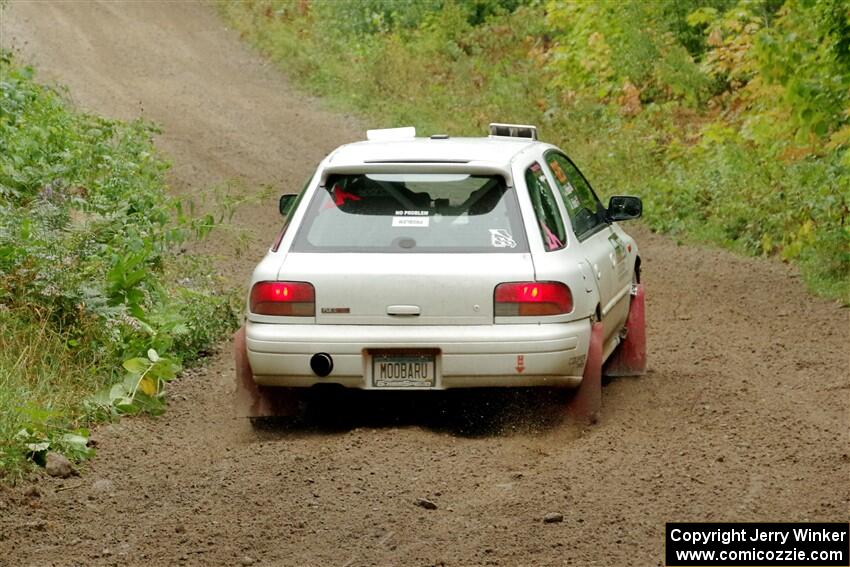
<point>286,202</point>
<point>624,207</point>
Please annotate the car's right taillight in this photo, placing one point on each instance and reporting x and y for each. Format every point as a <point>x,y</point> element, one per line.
<point>291,299</point>
<point>532,299</point>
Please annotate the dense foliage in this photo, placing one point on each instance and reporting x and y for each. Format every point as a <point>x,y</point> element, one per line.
<point>731,118</point>
<point>89,267</point>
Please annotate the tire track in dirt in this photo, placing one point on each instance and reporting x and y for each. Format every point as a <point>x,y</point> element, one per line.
<point>743,415</point>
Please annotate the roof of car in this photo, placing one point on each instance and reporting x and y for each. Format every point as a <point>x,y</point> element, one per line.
<point>493,150</point>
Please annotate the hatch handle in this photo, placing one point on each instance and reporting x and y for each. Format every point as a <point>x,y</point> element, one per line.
<point>403,310</point>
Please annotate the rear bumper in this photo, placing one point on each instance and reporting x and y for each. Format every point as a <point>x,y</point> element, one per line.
<point>551,354</point>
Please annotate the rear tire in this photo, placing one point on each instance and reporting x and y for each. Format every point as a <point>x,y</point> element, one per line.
<point>255,401</point>
<point>586,402</point>
<point>272,423</point>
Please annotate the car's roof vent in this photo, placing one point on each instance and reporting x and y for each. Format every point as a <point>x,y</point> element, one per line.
<point>405,133</point>
<point>498,130</point>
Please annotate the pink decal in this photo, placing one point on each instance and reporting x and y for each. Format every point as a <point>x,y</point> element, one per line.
<point>552,242</point>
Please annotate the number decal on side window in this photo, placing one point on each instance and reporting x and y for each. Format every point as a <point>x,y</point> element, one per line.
<point>582,205</point>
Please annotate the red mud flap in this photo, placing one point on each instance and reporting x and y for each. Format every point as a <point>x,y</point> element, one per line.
<point>251,400</point>
<point>629,359</point>
<point>587,399</point>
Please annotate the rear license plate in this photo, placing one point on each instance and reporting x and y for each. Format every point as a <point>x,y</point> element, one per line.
<point>403,370</point>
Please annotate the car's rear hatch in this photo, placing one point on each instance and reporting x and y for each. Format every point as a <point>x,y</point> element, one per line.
<point>405,289</point>
<point>409,248</point>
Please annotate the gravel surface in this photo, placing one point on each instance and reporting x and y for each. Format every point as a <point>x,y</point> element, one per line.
<point>742,416</point>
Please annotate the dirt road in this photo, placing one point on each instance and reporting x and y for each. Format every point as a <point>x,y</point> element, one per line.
<point>743,415</point>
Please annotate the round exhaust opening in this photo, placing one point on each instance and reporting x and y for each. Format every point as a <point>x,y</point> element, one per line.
<point>322,364</point>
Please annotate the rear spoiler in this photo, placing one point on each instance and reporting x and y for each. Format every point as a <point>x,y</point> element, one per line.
<point>416,167</point>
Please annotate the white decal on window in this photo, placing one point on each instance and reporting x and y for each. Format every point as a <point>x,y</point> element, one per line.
<point>406,222</point>
<point>501,238</point>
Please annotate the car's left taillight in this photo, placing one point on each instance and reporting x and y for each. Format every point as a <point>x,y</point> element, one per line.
<point>291,299</point>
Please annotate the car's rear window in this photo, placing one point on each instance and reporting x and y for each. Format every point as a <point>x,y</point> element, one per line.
<point>412,212</point>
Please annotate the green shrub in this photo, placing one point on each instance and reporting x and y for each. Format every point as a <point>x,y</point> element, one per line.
<point>88,263</point>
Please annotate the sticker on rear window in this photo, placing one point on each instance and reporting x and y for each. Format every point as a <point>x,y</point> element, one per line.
<point>501,238</point>
<point>405,222</point>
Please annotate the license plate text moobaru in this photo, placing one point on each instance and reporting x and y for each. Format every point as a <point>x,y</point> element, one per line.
<point>404,371</point>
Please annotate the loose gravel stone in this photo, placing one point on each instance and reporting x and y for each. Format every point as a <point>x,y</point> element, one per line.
<point>58,466</point>
<point>425,503</point>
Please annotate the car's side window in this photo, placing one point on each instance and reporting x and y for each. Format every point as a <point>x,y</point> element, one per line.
<point>545,208</point>
<point>585,210</point>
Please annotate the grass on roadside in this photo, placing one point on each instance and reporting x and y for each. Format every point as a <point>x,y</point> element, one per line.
<point>98,307</point>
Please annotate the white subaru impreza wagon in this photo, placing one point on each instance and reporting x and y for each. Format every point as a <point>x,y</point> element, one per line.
<point>433,263</point>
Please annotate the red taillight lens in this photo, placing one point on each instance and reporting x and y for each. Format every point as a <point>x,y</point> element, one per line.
<point>293,299</point>
<point>532,298</point>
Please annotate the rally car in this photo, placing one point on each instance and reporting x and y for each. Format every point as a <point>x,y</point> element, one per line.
<point>411,263</point>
